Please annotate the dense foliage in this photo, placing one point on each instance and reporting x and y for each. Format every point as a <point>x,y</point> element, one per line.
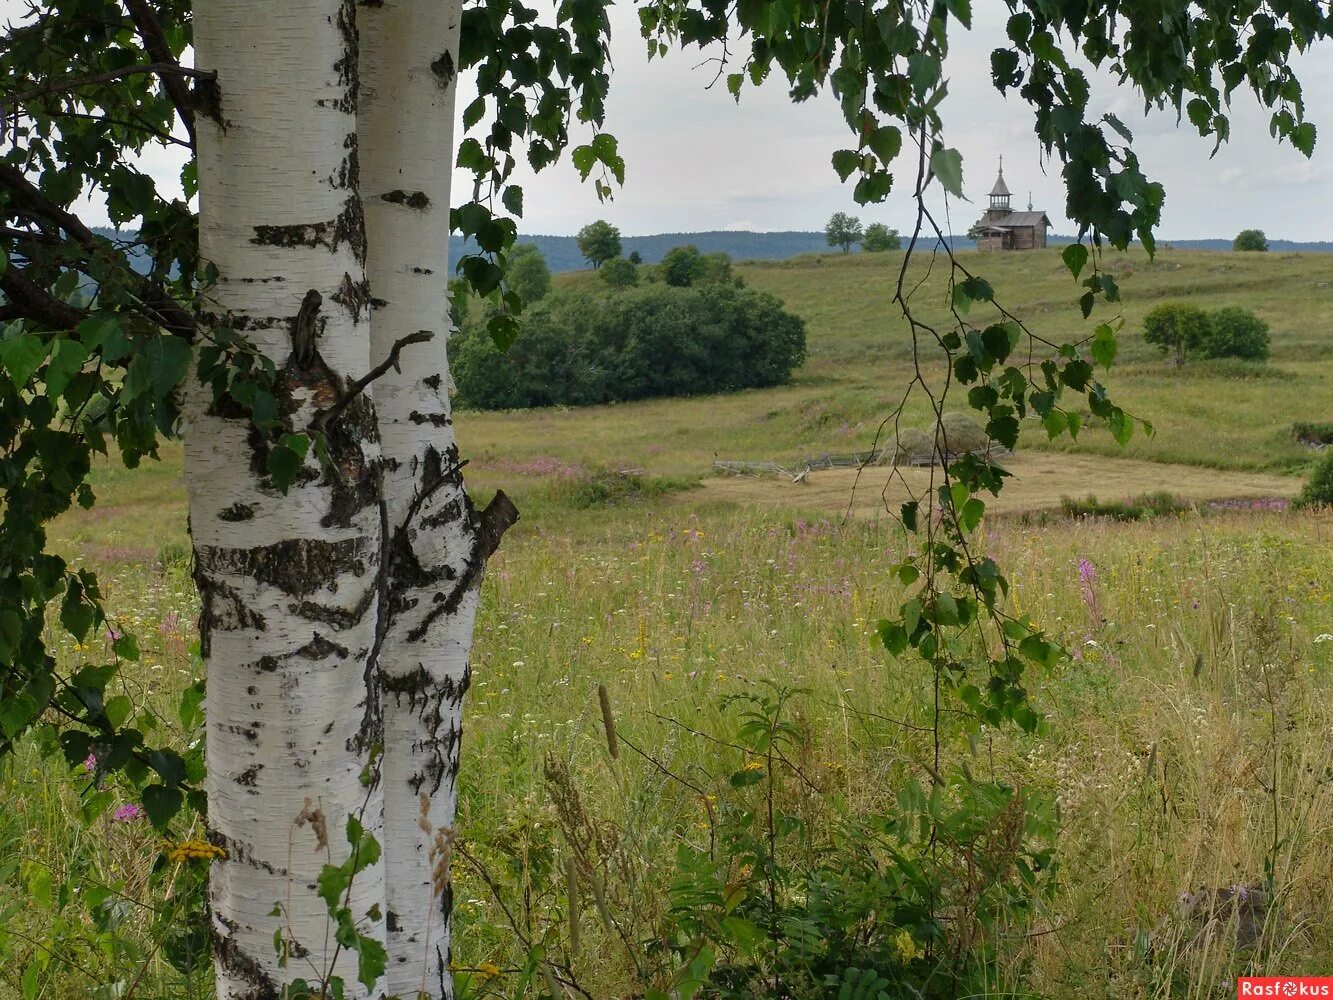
<point>1184,331</point>
<point>1250,239</point>
<point>578,349</point>
<point>619,272</point>
<point>528,274</point>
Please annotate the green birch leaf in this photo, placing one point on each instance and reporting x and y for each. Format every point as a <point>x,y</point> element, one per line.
<point>21,357</point>
<point>947,165</point>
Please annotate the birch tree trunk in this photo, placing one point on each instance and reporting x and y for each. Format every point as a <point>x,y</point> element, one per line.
<point>287,582</point>
<point>437,544</point>
<point>337,618</point>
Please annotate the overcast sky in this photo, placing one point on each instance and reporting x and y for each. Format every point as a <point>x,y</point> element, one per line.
<point>695,160</point>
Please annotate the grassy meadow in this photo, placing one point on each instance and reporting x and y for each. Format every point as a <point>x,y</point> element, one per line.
<point>1186,745</point>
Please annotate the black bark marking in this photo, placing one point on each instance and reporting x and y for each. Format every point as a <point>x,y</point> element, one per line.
<point>243,324</point>
<point>391,922</point>
<point>296,566</point>
<point>248,777</point>
<point>237,512</point>
<point>349,227</point>
<point>206,96</point>
<point>251,734</point>
<point>306,330</point>
<point>447,514</point>
<point>354,296</point>
<point>348,177</point>
<point>412,199</point>
<point>317,648</point>
<point>422,270</point>
<point>489,527</point>
<point>221,608</point>
<point>434,419</point>
<point>335,617</point>
<point>348,67</point>
<point>240,965</point>
<point>443,68</point>
<point>431,700</point>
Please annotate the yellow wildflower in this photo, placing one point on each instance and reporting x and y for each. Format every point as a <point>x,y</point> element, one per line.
<point>192,850</point>
<point>906,946</point>
<point>754,765</point>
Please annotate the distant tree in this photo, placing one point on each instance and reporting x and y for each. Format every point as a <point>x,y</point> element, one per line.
<point>683,266</point>
<point>1250,239</point>
<point>1177,328</point>
<point>620,273</point>
<point>598,242</point>
<point>879,237</point>
<point>528,274</point>
<point>1235,333</point>
<point>842,231</point>
<point>635,257</point>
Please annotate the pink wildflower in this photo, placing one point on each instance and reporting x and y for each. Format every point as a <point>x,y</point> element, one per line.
<point>127,812</point>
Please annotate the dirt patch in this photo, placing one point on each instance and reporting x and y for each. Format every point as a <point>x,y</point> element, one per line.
<point>1040,480</point>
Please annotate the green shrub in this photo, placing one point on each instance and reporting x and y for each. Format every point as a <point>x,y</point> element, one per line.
<point>607,487</point>
<point>1235,333</point>
<point>1318,490</point>
<point>620,273</point>
<point>1140,508</point>
<point>683,266</point>
<point>1307,432</point>
<point>1177,328</point>
<point>879,238</point>
<point>578,349</point>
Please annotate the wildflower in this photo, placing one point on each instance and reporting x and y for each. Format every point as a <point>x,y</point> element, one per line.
<point>127,812</point>
<point>1324,637</point>
<point>90,765</point>
<point>754,765</point>
<point>191,850</point>
<point>1087,577</point>
<point>906,946</point>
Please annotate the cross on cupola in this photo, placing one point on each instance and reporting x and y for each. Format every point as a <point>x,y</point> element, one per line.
<point>999,194</point>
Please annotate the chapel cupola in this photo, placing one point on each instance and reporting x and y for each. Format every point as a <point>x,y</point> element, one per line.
<point>999,194</point>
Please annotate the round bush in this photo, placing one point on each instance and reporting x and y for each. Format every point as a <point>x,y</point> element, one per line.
<point>1318,490</point>
<point>620,273</point>
<point>1235,333</point>
<point>1177,328</point>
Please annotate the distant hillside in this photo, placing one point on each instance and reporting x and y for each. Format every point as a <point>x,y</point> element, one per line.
<point>562,252</point>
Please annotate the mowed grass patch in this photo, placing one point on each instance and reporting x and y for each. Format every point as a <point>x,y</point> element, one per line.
<point>1040,481</point>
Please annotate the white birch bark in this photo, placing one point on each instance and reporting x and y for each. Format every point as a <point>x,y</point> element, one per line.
<point>437,543</point>
<point>288,582</point>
